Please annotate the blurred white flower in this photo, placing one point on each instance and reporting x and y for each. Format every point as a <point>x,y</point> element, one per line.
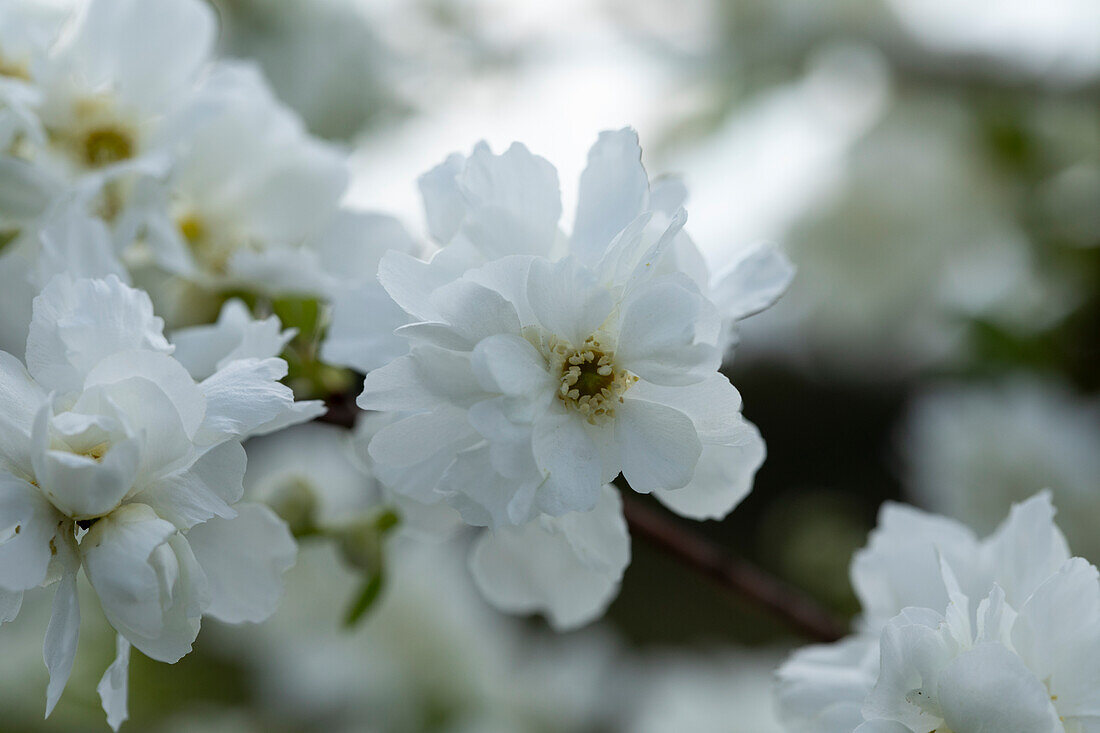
<point>958,634</point>
<point>108,84</point>
<point>248,190</point>
<point>973,450</point>
<point>431,655</point>
<point>114,459</point>
<point>893,269</point>
<point>715,692</point>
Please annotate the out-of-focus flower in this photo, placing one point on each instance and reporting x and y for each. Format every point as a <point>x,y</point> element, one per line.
<point>430,656</point>
<point>895,269</point>
<point>717,692</point>
<point>115,460</point>
<point>1057,41</point>
<point>973,450</point>
<point>958,634</point>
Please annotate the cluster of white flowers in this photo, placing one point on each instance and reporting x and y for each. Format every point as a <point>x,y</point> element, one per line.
<point>540,366</point>
<point>114,458</point>
<point>200,182</point>
<point>959,635</point>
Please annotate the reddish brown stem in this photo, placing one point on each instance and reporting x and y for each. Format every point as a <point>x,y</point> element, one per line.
<point>748,581</point>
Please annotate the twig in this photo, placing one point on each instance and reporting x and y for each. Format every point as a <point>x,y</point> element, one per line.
<point>797,609</point>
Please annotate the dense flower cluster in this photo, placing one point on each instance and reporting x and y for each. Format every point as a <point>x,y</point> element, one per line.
<point>201,180</point>
<point>115,459</point>
<point>541,366</point>
<point>959,635</point>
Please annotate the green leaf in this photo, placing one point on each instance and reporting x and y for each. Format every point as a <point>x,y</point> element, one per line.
<point>366,598</point>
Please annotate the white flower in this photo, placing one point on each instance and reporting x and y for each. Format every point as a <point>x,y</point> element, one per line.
<point>488,206</point>
<point>541,381</point>
<point>114,459</point>
<point>65,240</point>
<point>972,450</point>
<point>969,636</point>
<point>540,368</point>
<point>111,80</point>
<point>249,188</point>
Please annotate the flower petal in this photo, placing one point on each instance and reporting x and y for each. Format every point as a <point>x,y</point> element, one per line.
<point>723,478</point>
<point>59,649</point>
<point>570,462</point>
<point>566,299</point>
<point>113,687</point>
<point>244,559</point>
<point>27,524</point>
<point>752,283</point>
<point>658,334</point>
<point>658,445</point>
<point>614,190</point>
<point>509,364</point>
<point>568,567</point>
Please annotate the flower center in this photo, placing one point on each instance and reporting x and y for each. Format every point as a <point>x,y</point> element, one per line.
<point>590,383</point>
<point>106,145</point>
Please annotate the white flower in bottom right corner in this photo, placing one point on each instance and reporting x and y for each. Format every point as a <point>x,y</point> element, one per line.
<point>995,635</point>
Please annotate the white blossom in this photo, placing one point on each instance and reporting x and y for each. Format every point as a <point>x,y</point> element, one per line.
<point>115,460</point>
<point>972,450</point>
<point>959,635</point>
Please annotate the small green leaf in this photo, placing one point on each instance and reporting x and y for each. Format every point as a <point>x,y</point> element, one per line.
<point>366,598</point>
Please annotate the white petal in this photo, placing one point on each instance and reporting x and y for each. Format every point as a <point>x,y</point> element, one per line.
<point>508,433</point>
<point>509,364</point>
<point>1057,633</point>
<point>444,202</point>
<point>713,404</point>
<point>78,323</point>
<point>570,462</point>
<point>483,496</point>
<point>361,333</point>
<point>415,438</point>
<point>206,489</point>
<point>1027,548</point>
<point>167,375</point>
<point>426,379</point>
<point>566,299</point>
<point>568,567</point>
<point>989,688</point>
<point>614,190</point>
<point>176,37</point>
<point>822,688</point>
<point>474,311</point>
<point>244,560</point>
<point>59,650</point>
<point>900,565</point>
<point>237,335</point>
<point>658,334</point>
<point>113,687</point>
<point>148,582</point>
<point>27,524</point>
<point>514,199</point>
<point>658,445</point>
<point>78,485</point>
<point>752,283</point>
<point>246,397</point>
<point>723,478</point>
<point>80,245</point>
<point>20,400</point>
<point>411,281</point>
<point>10,604</point>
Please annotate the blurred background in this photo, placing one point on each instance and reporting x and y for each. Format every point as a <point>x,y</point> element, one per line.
<point>932,167</point>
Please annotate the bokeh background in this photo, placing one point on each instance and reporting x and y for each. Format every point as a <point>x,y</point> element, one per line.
<point>932,167</point>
